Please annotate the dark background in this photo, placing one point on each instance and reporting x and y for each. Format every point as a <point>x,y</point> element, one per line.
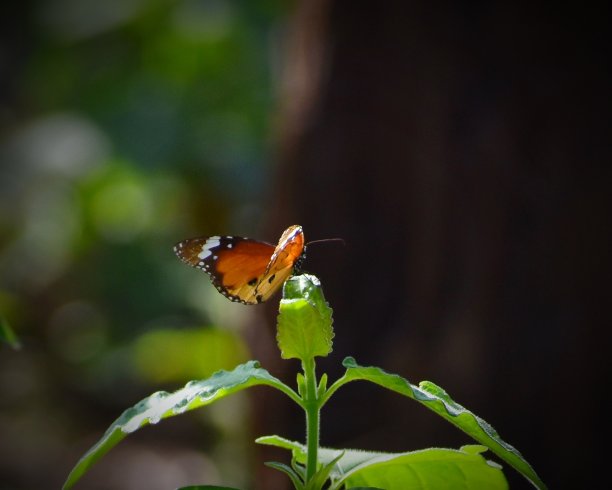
<point>461,150</point>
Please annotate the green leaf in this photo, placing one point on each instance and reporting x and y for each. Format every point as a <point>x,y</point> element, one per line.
<point>278,441</point>
<point>324,472</point>
<point>429,468</point>
<point>301,384</point>
<point>305,320</point>
<point>290,472</point>
<point>322,388</point>
<point>299,458</point>
<point>7,335</point>
<point>436,399</point>
<point>162,405</point>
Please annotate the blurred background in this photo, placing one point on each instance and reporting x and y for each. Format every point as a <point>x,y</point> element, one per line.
<point>461,150</point>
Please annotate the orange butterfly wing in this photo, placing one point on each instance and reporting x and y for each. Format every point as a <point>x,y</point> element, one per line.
<point>288,251</point>
<point>244,270</point>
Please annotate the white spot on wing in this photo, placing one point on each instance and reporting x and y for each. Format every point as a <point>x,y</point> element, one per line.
<point>212,242</point>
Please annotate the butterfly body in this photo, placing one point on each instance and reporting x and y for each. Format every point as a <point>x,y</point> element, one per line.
<point>242,269</point>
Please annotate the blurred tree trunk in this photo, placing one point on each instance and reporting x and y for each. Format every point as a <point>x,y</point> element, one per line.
<point>462,151</point>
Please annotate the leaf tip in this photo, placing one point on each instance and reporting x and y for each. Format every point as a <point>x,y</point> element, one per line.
<point>349,362</point>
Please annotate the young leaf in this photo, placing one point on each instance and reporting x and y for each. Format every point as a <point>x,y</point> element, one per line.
<point>162,405</point>
<point>290,472</point>
<point>301,384</point>
<point>299,469</point>
<point>321,476</point>
<point>305,320</point>
<point>297,449</point>
<point>322,388</point>
<point>425,469</point>
<point>436,399</point>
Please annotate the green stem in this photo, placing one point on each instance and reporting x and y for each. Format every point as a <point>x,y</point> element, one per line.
<point>311,407</point>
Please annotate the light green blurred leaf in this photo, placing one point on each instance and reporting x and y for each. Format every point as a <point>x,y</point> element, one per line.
<point>176,355</point>
<point>7,335</point>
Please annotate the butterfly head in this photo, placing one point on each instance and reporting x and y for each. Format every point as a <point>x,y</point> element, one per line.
<point>297,267</point>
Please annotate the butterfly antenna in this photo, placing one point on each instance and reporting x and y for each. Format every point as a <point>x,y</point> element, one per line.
<point>298,264</point>
<point>327,240</point>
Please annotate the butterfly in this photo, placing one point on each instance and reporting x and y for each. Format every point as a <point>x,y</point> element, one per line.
<point>242,269</point>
